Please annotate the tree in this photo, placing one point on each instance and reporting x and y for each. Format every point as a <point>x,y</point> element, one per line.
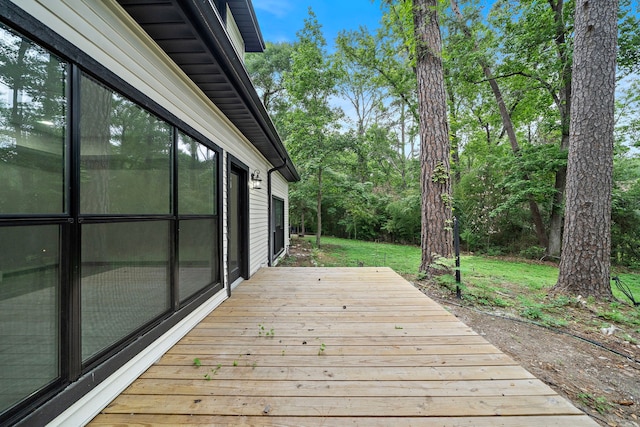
<point>585,260</point>
<point>311,121</point>
<point>505,114</point>
<point>436,236</point>
<point>267,71</point>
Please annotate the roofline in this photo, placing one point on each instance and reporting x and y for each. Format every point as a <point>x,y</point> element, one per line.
<point>201,15</point>
<point>255,27</point>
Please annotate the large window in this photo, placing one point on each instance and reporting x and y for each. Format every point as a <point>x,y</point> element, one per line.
<point>108,222</point>
<point>33,119</point>
<point>125,170</point>
<point>125,280</point>
<point>29,307</point>
<point>125,163</point>
<point>32,128</point>
<point>197,177</point>
<point>198,249</point>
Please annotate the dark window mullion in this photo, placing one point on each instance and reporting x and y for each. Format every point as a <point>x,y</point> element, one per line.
<point>72,320</point>
<point>175,235</point>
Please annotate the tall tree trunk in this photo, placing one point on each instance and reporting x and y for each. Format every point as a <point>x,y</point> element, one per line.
<point>319,207</point>
<point>435,180</point>
<point>586,256</point>
<point>564,108</point>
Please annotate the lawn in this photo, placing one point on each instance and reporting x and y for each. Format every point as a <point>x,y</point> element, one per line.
<point>497,282</point>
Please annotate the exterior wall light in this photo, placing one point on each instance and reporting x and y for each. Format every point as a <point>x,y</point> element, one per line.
<point>256,182</point>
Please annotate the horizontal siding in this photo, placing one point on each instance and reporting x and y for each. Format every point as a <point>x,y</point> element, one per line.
<point>258,224</point>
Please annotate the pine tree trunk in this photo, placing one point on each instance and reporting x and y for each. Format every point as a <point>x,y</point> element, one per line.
<point>319,207</point>
<point>436,237</point>
<point>586,254</point>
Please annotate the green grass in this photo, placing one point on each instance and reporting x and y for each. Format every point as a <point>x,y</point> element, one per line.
<point>481,271</point>
<point>520,286</point>
<point>352,253</point>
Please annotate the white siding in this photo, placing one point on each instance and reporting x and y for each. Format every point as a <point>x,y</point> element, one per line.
<point>258,220</point>
<point>108,34</point>
<point>234,34</point>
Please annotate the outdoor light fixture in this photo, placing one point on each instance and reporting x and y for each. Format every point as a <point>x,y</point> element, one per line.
<point>255,180</point>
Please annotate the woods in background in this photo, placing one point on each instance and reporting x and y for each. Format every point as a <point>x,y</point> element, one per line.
<point>350,119</point>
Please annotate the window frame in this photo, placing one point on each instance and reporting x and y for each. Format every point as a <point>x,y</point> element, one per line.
<point>86,376</point>
<point>275,200</point>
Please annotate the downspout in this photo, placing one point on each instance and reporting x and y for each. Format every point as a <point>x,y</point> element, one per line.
<point>270,217</point>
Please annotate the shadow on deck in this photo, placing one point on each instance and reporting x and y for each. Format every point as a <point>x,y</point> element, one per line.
<point>336,346</point>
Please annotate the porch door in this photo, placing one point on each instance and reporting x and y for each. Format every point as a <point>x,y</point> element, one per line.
<point>238,224</point>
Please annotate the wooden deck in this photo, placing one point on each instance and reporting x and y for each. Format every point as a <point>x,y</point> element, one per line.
<point>334,347</point>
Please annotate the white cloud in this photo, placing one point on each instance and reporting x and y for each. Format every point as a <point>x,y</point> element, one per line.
<point>278,8</point>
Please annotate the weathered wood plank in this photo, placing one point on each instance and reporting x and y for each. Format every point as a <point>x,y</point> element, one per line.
<point>316,331</point>
<point>341,406</point>
<point>308,307</point>
<point>210,337</point>
<point>330,349</point>
<point>494,359</point>
<point>356,373</point>
<point>215,386</point>
<point>145,420</point>
<point>368,316</point>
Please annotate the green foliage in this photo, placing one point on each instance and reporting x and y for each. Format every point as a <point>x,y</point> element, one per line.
<point>600,403</point>
<point>364,170</point>
<point>403,219</point>
<point>322,349</point>
<point>538,163</point>
<point>533,252</point>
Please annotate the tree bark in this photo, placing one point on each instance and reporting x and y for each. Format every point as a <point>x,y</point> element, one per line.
<point>436,236</point>
<point>586,256</point>
<point>319,206</point>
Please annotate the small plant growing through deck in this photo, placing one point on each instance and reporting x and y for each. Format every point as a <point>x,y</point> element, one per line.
<point>197,362</point>
<point>235,363</point>
<point>262,331</point>
<point>399,327</point>
<point>322,348</point>
<point>214,371</point>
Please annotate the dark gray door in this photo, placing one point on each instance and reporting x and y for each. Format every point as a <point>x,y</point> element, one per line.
<point>237,221</point>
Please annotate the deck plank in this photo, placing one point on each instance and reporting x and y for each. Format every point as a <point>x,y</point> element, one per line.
<point>145,420</point>
<point>340,346</point>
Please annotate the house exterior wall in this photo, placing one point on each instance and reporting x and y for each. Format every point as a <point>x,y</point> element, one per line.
<point>109,35</point>
<point>106,33</point>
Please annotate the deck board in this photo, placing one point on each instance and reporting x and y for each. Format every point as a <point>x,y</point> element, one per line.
<point>341,346</point>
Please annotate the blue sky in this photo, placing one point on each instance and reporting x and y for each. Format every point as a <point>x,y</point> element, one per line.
<point>279,20</point>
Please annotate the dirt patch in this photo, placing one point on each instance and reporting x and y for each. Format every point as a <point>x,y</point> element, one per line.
<point>604,384</point>
<point>597,371</point>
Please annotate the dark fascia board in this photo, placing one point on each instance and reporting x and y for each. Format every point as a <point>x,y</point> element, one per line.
<point>209,26</point>
<point>247,22</point>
